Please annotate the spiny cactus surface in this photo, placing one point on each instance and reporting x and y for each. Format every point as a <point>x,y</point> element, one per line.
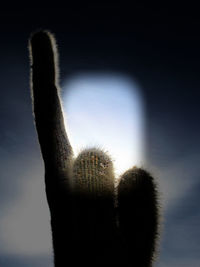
<point>93,173</point>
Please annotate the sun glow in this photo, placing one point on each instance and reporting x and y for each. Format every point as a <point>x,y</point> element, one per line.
<point>105,111</point>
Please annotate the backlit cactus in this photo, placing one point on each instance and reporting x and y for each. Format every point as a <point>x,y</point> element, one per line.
<point>93,223</point>
<point>138,213</point>
<point>93,173</point>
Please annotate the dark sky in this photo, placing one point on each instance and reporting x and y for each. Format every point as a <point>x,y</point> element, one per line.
<point>160,47</point>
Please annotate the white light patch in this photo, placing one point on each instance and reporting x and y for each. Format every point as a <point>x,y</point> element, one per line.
<point>105,111</point>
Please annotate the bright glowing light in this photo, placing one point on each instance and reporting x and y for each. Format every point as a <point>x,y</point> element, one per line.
<point>105,111</point>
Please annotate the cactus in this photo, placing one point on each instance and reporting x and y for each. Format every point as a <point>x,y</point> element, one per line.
<point>137,193</point>
<point>93,223</point>
<point>93,173</point>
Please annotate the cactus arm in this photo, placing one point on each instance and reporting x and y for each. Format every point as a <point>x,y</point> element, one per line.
<point>54,143</point>
<point>55,146</point>
<point>138,216</point>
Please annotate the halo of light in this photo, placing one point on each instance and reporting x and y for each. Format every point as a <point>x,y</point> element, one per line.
<point>106,111</point>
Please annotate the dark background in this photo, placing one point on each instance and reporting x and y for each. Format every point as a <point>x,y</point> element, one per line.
<point>159,46</point>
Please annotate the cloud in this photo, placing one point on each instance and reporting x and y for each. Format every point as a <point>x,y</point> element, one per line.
<point>13,260</point>
<point>175,164</point>
<point>177,178</point>
<point>180,263</point>
<point>25,222</point>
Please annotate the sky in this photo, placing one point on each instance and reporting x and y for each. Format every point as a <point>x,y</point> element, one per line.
<point>147,60</point>
<point>106,111</point>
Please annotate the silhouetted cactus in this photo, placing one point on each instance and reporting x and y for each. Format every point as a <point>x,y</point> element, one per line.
<point>93,223</point>
<point>137,194</point>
